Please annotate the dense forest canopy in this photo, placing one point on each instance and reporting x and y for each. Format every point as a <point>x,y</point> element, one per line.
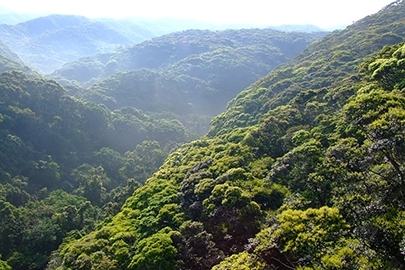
<point>192,73</point>
<point>46,43</point>
<point>304,170</point>
<point>188,46</point>
<point>71,156</point>
<point>50,142</point>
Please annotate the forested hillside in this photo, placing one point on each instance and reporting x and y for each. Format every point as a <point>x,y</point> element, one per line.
<point>305,170</point>
<point>11,61</point>
<point>6,52</point>
<point>165,51</point>
<point>192,74</point>
<point>69,162</point>
<point>46,43</point>
<point>297,28</point>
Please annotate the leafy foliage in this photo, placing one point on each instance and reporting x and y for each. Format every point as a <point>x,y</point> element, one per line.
<point>192,74</point>
<point>303,171</point>
<point>342,50</point>
<point>50,142</point>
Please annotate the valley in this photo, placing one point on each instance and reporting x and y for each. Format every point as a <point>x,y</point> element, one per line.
<point>128,147</point>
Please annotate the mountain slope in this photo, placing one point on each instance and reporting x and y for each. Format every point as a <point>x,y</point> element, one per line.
<point>9,60</point>
<point>10,17</point>
<point>68,163</point>
<point>8,53</point>
<point>48,42</point>
<point>304,170</point>
<point>192,73</point>
<point>161,52</point>
<point>343,51</point>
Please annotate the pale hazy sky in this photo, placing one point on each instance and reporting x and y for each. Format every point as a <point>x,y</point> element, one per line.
<point>324,13</point>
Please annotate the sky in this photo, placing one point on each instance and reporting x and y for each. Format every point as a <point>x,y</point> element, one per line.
<point>323,13</point>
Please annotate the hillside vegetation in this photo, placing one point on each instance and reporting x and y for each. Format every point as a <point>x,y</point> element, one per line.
<point>46,43</point>
<point>101,169</point>
<point>11,61</point>
<point>305,170</point>
<point>69,162</point>
<point>192,74</point>
<point>189,46</point>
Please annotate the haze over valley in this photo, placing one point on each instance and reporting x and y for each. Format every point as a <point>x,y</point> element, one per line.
<point>259,136</point>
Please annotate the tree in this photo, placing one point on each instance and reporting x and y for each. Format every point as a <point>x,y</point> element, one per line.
<point>4,265</point>
<point>196,248</point>
<point>231,216</point>
<point>10,228</point>
<point>143,161</point>
<point>155,252</point>
<point>111,161</point>
<point>388,67</point>
<point>314,238</point>
<point>380,116</point>
<point>91,182</point>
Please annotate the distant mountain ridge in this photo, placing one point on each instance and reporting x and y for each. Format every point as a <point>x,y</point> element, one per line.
<point>14,18</point>
<point>9,60</point>
<point>167,50</point>
<point>189,73</point>
<point>8,53</point>
<point>46,43</point>
<point>307,28</point>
